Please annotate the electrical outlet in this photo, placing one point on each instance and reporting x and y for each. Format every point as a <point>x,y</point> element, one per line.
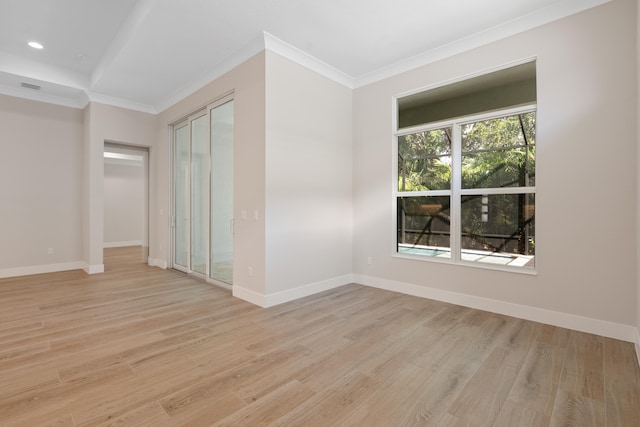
<point>50,251</point>
<point>250,270</point>
<point>369,260</point>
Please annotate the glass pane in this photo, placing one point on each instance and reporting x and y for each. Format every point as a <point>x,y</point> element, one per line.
<point>528,121</point>
<point>424,160</point>
<point>435,142</point>
<point>500,168</point>
<point>221,267</point>
<point>499,152</point>
<point>199,189</point>
<point>503,132</point>
<point>499,229</point>
<point>424,226</point>
<point>181,209</point>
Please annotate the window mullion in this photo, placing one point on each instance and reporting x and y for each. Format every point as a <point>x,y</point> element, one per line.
<point>456,183</point>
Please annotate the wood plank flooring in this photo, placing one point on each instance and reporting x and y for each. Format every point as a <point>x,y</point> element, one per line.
<point>141,346</point>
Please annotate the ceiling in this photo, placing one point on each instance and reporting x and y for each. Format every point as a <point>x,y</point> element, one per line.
<point>148,54</point>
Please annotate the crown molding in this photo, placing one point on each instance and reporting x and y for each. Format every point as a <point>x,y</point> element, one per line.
<point>266,42</point>
<point>269,42</point>
<point>238,58</point>
<point>79,103</point>
<point>45,74</point>
<point>301,57</point>
<point>519,25</point>
<point>119,102</point>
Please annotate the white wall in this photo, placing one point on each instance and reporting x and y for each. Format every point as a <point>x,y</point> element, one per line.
<point>588,154</point>
<point>292,177</point>
<point>124,199</point>
<point>246,81</point>
<point>108,123</point>
<point>308,180</point>
<point>40,190</point>
<point>586,178</point>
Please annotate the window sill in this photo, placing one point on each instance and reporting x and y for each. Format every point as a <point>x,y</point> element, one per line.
<point>443,258</point>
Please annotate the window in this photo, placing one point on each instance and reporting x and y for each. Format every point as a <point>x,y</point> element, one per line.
<point>466,188</point>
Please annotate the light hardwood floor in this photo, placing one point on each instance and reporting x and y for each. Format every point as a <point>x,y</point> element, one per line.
<point>140,346</point>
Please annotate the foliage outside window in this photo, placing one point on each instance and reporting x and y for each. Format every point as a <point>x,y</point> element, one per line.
<point>466,189</point>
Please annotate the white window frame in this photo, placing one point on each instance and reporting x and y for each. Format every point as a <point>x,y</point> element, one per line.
<point>455,192</point>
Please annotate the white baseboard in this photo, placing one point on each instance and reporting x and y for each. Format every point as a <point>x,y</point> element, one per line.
<point>306,290</point>
<point>122,244</point>
<point>155,262</point>
<point>248,295</point>
<point>570,321</point>
<point>40,269</point>
<point>93,269</point>
<point>276,298</point>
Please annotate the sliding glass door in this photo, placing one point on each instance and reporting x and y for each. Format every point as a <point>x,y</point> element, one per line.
<point>221,213</point>
<point>181,229</point>
<point>202,216</point>
<point>199,194</point>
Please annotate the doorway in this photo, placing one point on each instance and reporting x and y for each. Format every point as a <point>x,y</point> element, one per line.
<point>126,199</point>
<point>202,208</point>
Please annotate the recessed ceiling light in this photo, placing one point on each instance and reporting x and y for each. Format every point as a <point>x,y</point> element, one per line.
<point>35,45</point>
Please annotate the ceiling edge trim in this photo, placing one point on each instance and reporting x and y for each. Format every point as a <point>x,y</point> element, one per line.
<point>519,25</point>
<point>249,51</point>
<point>46,73</point>
<point>301,57</point>
<point>119,102</point>
<point>47,98</point>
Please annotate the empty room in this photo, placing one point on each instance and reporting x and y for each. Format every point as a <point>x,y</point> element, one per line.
<point>303,213</point>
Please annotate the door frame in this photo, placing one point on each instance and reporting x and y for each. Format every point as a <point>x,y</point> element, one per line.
<point>186,121</point>
<point>145,151</point>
